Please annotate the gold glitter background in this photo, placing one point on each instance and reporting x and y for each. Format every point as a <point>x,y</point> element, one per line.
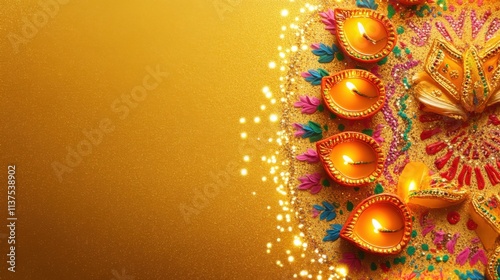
<point>117,213</point>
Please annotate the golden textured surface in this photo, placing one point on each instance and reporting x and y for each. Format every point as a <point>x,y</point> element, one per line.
<point>117,214</point>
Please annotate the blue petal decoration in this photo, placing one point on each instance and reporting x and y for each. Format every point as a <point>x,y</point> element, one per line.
<point>325,58</point>
<point>318,52</point>
<point>326,54</point>
<point>332,215</point>
<point>472,275</point>
<point>333,234</point>
<point>326,49</point>
<point>476,275</point>
<point>328,206</point>
<point>327,212</point>
<point>318,207</point>
<point>316,76</point>
<point>323,215</point>
<point>314,126</point>
<point>327,215</point>
<point>323,72</point>
<point>369,4</point>
<point>312,131</point>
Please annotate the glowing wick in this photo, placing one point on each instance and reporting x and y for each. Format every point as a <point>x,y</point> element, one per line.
<point>363,33</point>
<point>348,160</point>
<point>353,88</point>
<point>412,186</point>
<point>377,227</point>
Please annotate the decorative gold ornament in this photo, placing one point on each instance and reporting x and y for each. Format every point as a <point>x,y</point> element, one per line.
<point>455,84</point>
<point>418,186</point>
<point>493,268</point>
<point>485,213</point>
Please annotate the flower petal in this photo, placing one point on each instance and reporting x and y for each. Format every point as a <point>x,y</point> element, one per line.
<point>463,256</point>
<point>316,189</point>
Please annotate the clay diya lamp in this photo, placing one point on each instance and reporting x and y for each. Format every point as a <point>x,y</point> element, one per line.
<point>485,213</point>
<point>380,224</point>
<point>418,185</point>
<point>365,35</point>
<point>353,94</point>
<point>351,158</point>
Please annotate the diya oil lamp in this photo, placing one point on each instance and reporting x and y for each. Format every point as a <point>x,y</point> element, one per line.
<point>364,35</point>
<point>485,213</point>
<point>351,158</point>
<point>418,185</point>
<point>493,267</point>
<point>380,224</point>
<point>353,94</point>
<point>455,83</point>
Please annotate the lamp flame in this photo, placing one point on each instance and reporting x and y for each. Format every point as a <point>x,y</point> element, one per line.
<point>353,88</point>
<point>361,29</point>
<point>350,86</point>
<point>412,186</point>
<point>364,35</point>
<point>377,226</point>
<point>347,160</point>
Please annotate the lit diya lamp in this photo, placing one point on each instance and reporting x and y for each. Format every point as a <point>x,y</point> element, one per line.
<point>380,224</point>
<point>493,268</point>
<point>365,35</point>
<point>418,185</point>
<point>485,213</point>
<point>351,158</point>
<point>353,94</point>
